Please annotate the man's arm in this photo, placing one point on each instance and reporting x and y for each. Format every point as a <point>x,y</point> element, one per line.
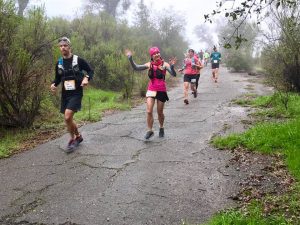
<point>56,80</point>
<point>84,66</point>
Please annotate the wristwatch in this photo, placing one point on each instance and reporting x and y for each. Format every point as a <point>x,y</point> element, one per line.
<point>87,76</point>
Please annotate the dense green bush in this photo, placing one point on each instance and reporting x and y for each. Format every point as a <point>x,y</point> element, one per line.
<point>281,59</point>
<point>25,56</point>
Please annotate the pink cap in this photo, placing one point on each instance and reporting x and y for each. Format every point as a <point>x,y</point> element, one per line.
<point>153,51</point>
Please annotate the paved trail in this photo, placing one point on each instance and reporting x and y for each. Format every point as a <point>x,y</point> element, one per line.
<point>116,178</point>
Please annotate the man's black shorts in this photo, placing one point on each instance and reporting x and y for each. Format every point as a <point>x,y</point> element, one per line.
<point>215,65</point>
<point>71,102</point>
<point>191,78</point>
<point>161,96</point>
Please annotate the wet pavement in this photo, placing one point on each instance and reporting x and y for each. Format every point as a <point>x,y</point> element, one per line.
<point>116,177</point>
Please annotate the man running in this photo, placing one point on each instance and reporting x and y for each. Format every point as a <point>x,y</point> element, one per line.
<point>215,63</point>
<point>74,73</point>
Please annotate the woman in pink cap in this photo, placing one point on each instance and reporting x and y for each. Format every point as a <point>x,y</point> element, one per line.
<point>191,70</point>
<point>157,89</point>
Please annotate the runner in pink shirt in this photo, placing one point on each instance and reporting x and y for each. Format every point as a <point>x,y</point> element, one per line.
<point>191,68</point>
<point>157,89</point>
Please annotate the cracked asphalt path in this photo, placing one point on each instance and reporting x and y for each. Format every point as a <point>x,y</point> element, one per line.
<point>116,178</point>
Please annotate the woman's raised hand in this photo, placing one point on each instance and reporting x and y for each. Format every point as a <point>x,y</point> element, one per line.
<point>128,52</point>
<point>172,60</point>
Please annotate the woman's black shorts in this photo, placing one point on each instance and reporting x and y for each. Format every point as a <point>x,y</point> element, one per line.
<point>191,78</point>
<point>161,96</point>
<point>71,102</point>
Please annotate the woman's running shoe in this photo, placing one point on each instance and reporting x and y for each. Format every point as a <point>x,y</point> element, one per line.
<point>149,134</point>
<point>161,132</point>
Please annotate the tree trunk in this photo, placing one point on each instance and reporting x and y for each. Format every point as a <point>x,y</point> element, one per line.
<point>22,5</point>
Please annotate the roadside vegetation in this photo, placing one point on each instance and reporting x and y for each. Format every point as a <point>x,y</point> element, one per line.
<point>277,132</point>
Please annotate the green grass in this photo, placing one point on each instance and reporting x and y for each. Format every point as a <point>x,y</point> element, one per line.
<point>281,137</point>
<point>253,216</point>
<point>11,140</point>
<point>282,210</point>
<point>269,138</point>
<point>94,103</point>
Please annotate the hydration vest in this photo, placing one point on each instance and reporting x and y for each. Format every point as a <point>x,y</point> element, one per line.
<point>73,73</point>
<point>193,61</point>
<point>156,72</point>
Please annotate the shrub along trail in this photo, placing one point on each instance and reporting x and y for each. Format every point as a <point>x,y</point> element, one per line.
<point>115,177</point>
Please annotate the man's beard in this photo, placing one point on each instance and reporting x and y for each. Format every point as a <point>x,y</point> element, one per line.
<point>66,53</point>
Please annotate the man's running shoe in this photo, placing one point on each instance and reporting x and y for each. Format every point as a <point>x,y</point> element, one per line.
<point>195,94</point>
<point>161,132</point>
<point>78,140</point>
<point>71,145</point>
<point>186,101</point>
<point>149,134</point>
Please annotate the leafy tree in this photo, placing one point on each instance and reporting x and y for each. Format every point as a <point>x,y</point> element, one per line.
<point>24,54</point>
<point>22,6</point>
<point>170,29</point>
<point>239,59</point>
<point>281,55</point>
<point>204,35</point>
<point>245,9</point>
<point>109,6</point>
<point>142,18</point>
<point>60,27</point>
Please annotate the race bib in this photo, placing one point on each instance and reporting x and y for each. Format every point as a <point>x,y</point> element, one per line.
<point>193,80</point>
<point>151,93</point>
<point>69,85</point>
<point>215,61</point>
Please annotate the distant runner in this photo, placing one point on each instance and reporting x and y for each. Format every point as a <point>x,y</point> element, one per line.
<point>215,63</point>
<point>206,57</point>
<point>191,68</point>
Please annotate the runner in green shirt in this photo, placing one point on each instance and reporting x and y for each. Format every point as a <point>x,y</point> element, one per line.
<point>215,63</point>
